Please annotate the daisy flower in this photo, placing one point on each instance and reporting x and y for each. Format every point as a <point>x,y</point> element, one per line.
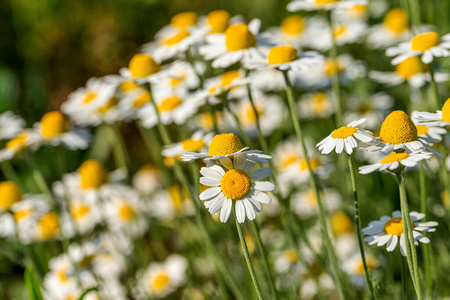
<point>315,105</point>
<point>10,125</point>
<point>268,80</point>
<point>239,42</point>
<point>10,194</point>
<point>427,45</point>
<point>147,180</point>
<point>297,5</point>
<point>354,267</point>
<point>394,29</point>
<point>183,20</point>
<point>439,119</point>
<point>28,139</point>
<point>196,143</point>
<point>170,203</point>
<point>217,21</point>
<point>80,215</point>
<point>142,69</point>
<point>236,181</point>
<point>389,231</point>
<point>47,227</point>
<point>428,133</point>
<point>161,279</point>
<point>345,138</point>
<point>225,145</point>
<point>396,159</point>
<point>304,203</point>
<point>291,31</point>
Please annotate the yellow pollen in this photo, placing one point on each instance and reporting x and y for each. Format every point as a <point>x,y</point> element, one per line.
<point>89,97</point>
<point>249,115</point>
<point>288,160</point>
<point>159,282</point>
<point>143,98</point>
<point>126,212</point>
<point>319,102</point>
<point>371,264</point>
<point>79,210</point>
<point>311,198</point>
<point>343,132</point>
<point>339,31</point>
<point>53,124</point>
<point>184,19</point>
<point>398,128</point>
<point>224,144</point>
<point>395,156</point>
<point>62,275</point>
<point>293,25</point>
<point>177,37</point>
<point>281,55</point>
<point>446,111</point>
<point>176,197</point>
<point>9,194</point>
<point>111,103</point>
<point>92,175</point>
<point>421,130</point>
<point>359,10</point>
<point>206,120</point>
<point>48,226</point>
<point>235,184</point>
<point>410,67</point>
<point>396,20</point>
<point>331,67</point>
<point>228,77</point>
<point>341,223</point>
<point>218,20</point>
<point>291,255</point>
<point>395,226</point>
<point>143,65</point>
<point>423,42</point>
<point>238,37</point>
<point>22,214</point>
<point>324,2</point>
<point>314,163</point>
<point>193,145</point>
<point>18,143</point>
<point>170,103</point>
<point>126,86</point>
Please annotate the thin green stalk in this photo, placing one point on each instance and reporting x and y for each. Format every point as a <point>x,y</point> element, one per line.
<point>248,260</point>
<point>408,234</point>
<point>39,178</point>
<point>367,273</point>
<point>265,261</point>
<point>335,76</point>
<point>322,214</point>
<point>403,293</point>
<point>414,14</point>
<point>121,156</point>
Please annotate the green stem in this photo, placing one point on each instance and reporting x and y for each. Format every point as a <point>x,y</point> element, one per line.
<point>312,180</point>
<point>414,14</point>
<point>335,76</point>
<point>121,156</point>
<point>426,248</point>
<point>248,260</point>
<point>9,173</point>
<point>434,87</point>
<point>408,235</point>
<point>403,293</point>
<point>367,273</point>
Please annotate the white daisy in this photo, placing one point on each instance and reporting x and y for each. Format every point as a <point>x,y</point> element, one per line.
<point>236,181</point>
<point>197,142</point>
<point>292,31</point>
<point>26,140</point>
<point>268,80</point>
<point>131,101</point>
<point>427,45</point>
<point>344,138</point>
<point>304,203</point>
<point>439,119</point>
<point>394,29</point>
<point>147,180</point>
<point>10,125</point>
<point>396,159</point>
<point>354,267</point>
<point>297,5</point>
<point>170,203</point>
<point>389,231</point>
<point>426,133</point>
<point>315,105</point>
<point>142,69</point>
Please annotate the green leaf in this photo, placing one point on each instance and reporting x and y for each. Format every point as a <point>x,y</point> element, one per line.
<point>33,284</point>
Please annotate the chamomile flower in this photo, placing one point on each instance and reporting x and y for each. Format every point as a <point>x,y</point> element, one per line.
<point>426,45</point>
<point>142,69</point>
<point>395,160</point>
<point>268,80</point>
<point>10,195</point>
<point>345,138</point>
<point>80,215</point>
<point>161,279</point>
<point>217,21</point>
<point>315,105</point>
<point>389,231</point>
<point>196,143</point>
<point>26,140</point>
<point>394,29</point>
<point>147,180</point>
<point>47,227</point>
<point>131,101</point>
<point>429,134</point>
<point>304,203</point>
<point>225,145</point>
<point>354,267</point>
<point>239,42</point>
<point>439,119</point>
<point>297,5</point>
<point>236,181</point>
<point>10,125</point>
<point>291,31</point>
<point>171,202</point>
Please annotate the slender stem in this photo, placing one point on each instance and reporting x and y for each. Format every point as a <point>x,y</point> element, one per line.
<point>414,14</point>
<point>425,247</point>
<point>322,214</point>
<point>408,235</point>
<point>265,261</point>
<point>403,297</point>
<point>248,260</point>
<point>121,156</point>
<point>335,76</point>
<point>434,87</point>
<point>367,273</point>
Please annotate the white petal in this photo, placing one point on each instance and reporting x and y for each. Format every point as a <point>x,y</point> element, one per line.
<point>240,211</point>
<point>384,239</point>
<point>210,193</point>
<point>226,162</point>
<point>251,215</point>
<point>208,181</point>
<point>262,197</point>
<point>392,243</point>
<point>264,186</point>
<point>260,173</point>
<point>210,172</point>
<point>226,210</point>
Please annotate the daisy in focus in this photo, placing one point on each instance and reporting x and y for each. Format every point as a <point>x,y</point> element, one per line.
<point>236,181</point>
<point>427,45</point>
<point>297,5</point>
<point>395,161</point>
<point>345,138</point>
<point>10,125</point>
<point>439,119</point>
<point>389,231</point>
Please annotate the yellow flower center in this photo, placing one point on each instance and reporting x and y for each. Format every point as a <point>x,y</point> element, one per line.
<point>92,174</point>
<point>398,128</point>
<point>218,20</point>
<point>143,98</point>
<point>319,102</point>
<point>126,212</point>
<point>341,223</point>
<point>250,116</point>
<point>396,20</point>
<point>238,37</point>
<point>178,80</point>
<point>370,263</point>
<point>421,130</point>
<point>288,160</point>
<point>53,124</point>
<point>224,144</point>
<point>410,67</point>
<point>314,163</point>
<point>291,255</point>
<point>311,198</point>
<point>331,67</point>
<point>48,226</point>
<point>206,120</point>
<point>281,55</point>
<point>235,184</point>
<point>339,30</point>
<point>176,197</point>
<point>228,77</point>
<point>193,145</point>
<point>9,194</point>
<point>395,226</point>
<point>143,65</point>
<point>343,132</point>
<point>184,19</point>
<point>22,214</point>
<point>89,97</point>
<point>323,2</point>
<point>62,275</point>
<point>359,10</point>
<point>177,37</point>
<point>17,143</point>
<point>127,85</point>
<point>170,103</point>
<point>79,210</point>
<point>395,156</point>
<point>111,103</point>
<point>159,282</point>
<point>446,111</point>
<point>423,42</point>
<point>293,25</point>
